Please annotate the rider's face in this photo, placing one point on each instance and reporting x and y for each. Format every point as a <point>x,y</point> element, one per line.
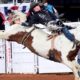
<point>37,8</point>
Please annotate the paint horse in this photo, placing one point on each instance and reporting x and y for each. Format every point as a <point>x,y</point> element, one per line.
<point>58,48</point>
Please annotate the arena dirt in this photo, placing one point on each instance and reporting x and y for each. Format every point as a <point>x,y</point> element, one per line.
<point>69,76</point>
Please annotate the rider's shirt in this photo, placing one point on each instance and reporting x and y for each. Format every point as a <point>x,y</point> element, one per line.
<point>42,17</point>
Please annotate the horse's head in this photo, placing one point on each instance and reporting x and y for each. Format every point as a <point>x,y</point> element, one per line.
<point>12,30</point>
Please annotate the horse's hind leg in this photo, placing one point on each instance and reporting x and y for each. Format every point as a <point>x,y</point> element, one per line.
<point>78,69</point>
<point>77,66</point>
<point>74,68</point>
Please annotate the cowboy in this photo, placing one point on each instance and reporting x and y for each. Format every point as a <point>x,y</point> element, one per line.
<point>10,16</point>
<point>38,15</point>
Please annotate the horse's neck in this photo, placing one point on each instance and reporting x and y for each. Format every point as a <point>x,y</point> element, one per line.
<point>17,37</point>
<point>26,37</point>
<point>11,31</point>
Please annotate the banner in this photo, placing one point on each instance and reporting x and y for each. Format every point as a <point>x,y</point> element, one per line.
<point>24,7</point>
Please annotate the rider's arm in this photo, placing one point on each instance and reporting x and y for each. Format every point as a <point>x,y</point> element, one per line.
<point>30,21</point>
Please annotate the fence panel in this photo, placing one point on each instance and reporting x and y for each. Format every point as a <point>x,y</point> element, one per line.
<point>2,56</point>
<point>23,61</point>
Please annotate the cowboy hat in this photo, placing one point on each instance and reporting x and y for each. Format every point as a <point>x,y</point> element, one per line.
<point>33,4</point>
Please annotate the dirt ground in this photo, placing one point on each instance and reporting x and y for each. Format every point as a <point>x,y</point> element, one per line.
<point>36,77</point>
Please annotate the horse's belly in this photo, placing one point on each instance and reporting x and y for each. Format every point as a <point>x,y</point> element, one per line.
<point>42,46</point>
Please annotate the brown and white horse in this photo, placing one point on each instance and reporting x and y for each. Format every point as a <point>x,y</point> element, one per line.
<point>58,48</point>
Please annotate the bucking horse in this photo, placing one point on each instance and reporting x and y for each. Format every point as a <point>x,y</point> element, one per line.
<point>53,47</point>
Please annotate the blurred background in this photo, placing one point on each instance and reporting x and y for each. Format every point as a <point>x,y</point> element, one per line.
<point>70,8</point>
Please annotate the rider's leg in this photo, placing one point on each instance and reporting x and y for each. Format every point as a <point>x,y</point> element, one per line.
<point>70,36</point>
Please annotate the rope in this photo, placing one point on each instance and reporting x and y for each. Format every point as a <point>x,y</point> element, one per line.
<point>26,35</point>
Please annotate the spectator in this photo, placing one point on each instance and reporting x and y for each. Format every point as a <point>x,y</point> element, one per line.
<point>2,20</point>
<point>51,9</point>
<point>10,16</point>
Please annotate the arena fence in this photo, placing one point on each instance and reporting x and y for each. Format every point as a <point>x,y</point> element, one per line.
<point>15,59</point>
